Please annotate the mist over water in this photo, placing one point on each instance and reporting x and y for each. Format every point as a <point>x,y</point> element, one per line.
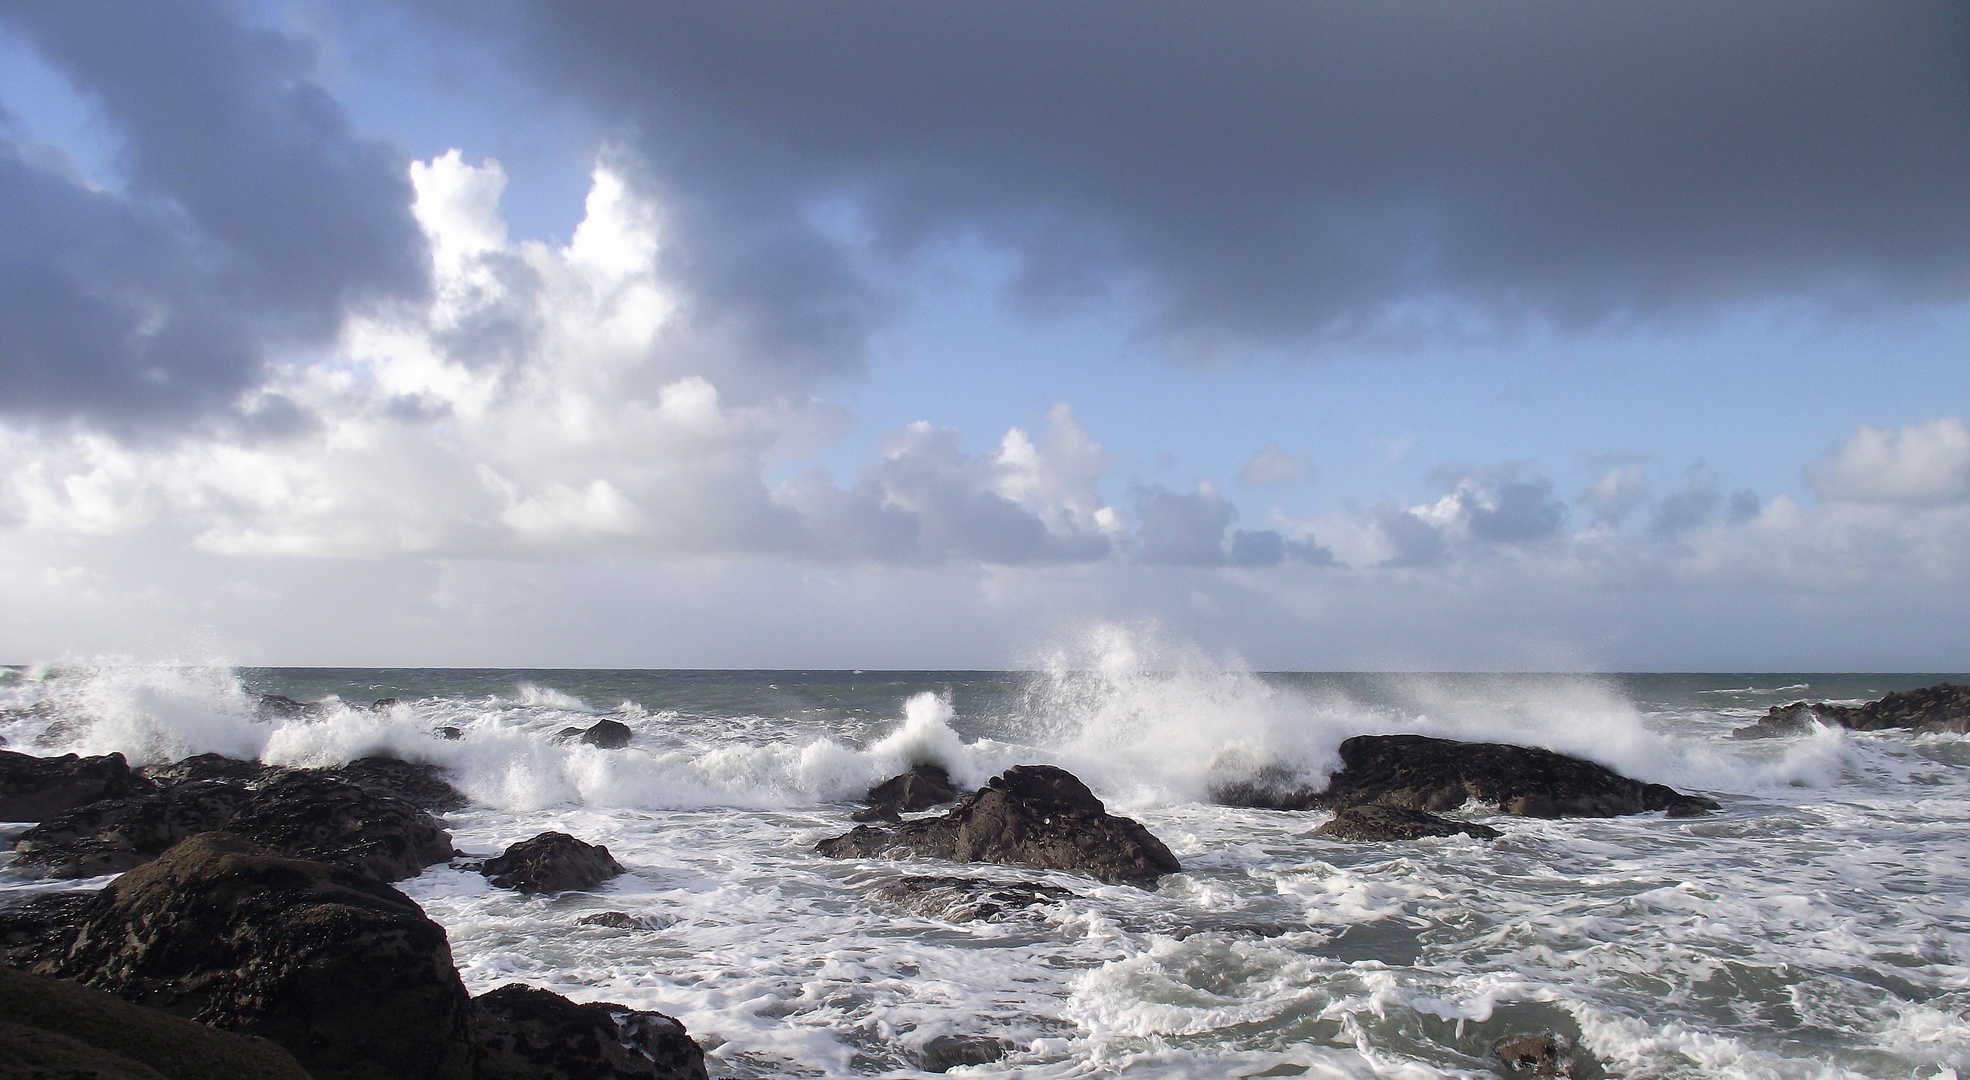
<point>1818,926</point>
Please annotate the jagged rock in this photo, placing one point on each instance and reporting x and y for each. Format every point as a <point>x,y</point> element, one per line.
<point>1416,772</point>
<point>947,1052</point>
<point>521,1033</point>
<point>1031,815</point>
<point>422,785</point>
<point>1534,1055</point>
<point>113,835</point>
<point>316,816</point>
<point>41,927</point>
<point>342,970</point>
<point>551,862</point>
<point>38,788</point>
<point>1372,822</point>
<point>207,767</point>
<point>606,734</point>
<point>88,1025</point>
<point>968,899</point>
<point>1944,707</point>
<point>923,787</point>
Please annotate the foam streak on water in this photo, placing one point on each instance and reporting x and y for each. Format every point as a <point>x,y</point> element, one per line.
<point>1819,926</point>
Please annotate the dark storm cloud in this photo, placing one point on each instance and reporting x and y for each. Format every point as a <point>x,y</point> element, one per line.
<point>1295,172</point>
<point>253,213</point>
<point>1520,510</point>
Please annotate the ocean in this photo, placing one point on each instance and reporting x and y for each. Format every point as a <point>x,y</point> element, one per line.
<point>1817,926</point>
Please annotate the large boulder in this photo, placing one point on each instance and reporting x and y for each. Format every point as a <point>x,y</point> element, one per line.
<point>606,735</point>
<point>1416,772</point>
<point>342,970</point>
<point>1944,707</point>
<point>1369,822</point>
<point>551,862</point>
<point>1031,815</point>
<point>521,1033</point>
<point>38,788</point>
<point>90,1030</point>
<point>305,813</point>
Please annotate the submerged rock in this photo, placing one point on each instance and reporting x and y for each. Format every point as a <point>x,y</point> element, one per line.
<point>1535,1055</point>
<point>551,862</point>
<point>339,968</point>
<point>968,899</point>
<point>1944,707</point>
<point>521,1033</point>
<point>606,735</point>
<point>87,1029</point>
<point>1416,772</point>
<point>38,788</point>
<point>1373,822</point>
<point>1031,815</point>
<point>947,1052</point>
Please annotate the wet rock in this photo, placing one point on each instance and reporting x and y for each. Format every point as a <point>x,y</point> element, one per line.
<point>947,1052</point>
<point>551,862</point>
<point>278,707</point>
<point>38,788</point>
<point>606,734</point>
<point>1373,822</point>
<point>1944,707</point>
<point>879,812</point>
<point>618,920</point>
<point>521,1033</point>
<point>42,927</point>
<point>1416,772</point>
<point>1535,1055</point>
<point>383,704</point>
<point>425,786</point>
<point>968,899</point>
<point>342,970</point>
<point>207,767</point>
<point>1031,815</point>
<point>305,813</point>
<point>449,733</point>
<point>923,787</point>
<point>100,1032</point>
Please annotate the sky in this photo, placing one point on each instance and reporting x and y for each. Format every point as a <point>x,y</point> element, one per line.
<point>1494,336</point>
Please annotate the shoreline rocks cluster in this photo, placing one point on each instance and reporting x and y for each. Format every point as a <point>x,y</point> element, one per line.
<point>1943,708</point>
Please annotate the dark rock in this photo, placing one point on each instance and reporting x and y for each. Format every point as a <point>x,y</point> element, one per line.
<point>207,767</point>
<point>879,812</point>
<point>921,788</point>
<point>968,899</point>
<point>38,788</point>
<point>342,970</point>
<point>143,1042</point>
<point>1372,822</point>
<point>1032,815</point>
<point>1535,1055</point>
<point>42,927</point>
<point>449,733</point>
<point>34,1054</point>
<point>1416,772</point>
<point>383,704</point>
<point>551,862</point>
<point>947,1052</point>
<point>421,785</point>
<point>618,920</point>
<point>606,734</point>
<point>279,706</point>
<point>62,731</point>
<point>1944,707</point>
<point>520,1033</point>
<point>310,814</point>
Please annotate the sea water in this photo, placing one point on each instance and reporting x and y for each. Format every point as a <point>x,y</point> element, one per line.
<point>1817,926</point>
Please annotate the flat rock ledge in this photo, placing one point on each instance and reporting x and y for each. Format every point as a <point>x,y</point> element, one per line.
<point>551,862</point>
<point>1372,822</point>
<point>1943,708</point>
<point>1417,772</point>
<point>1031,815</point>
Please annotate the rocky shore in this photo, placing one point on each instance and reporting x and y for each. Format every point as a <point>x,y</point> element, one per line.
<point>1944,707</point>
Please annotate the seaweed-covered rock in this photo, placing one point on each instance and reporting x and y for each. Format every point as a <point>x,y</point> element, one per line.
<point>1535,1055</point>
<point>551,862</point>
<point>606,735</point>
<point>1374,822</point>
<point>342,970</point>
<point>521,1033</point>
<point>1031,815</point>
<point>1416,772</point>
<point>1944,707</point>
<point>968,899</point>
<point>93,1033</point>
<point>41,927</point>
<point>38,788</point>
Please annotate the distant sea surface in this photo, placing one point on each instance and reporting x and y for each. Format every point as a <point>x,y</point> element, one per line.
<point>1817,926</point>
